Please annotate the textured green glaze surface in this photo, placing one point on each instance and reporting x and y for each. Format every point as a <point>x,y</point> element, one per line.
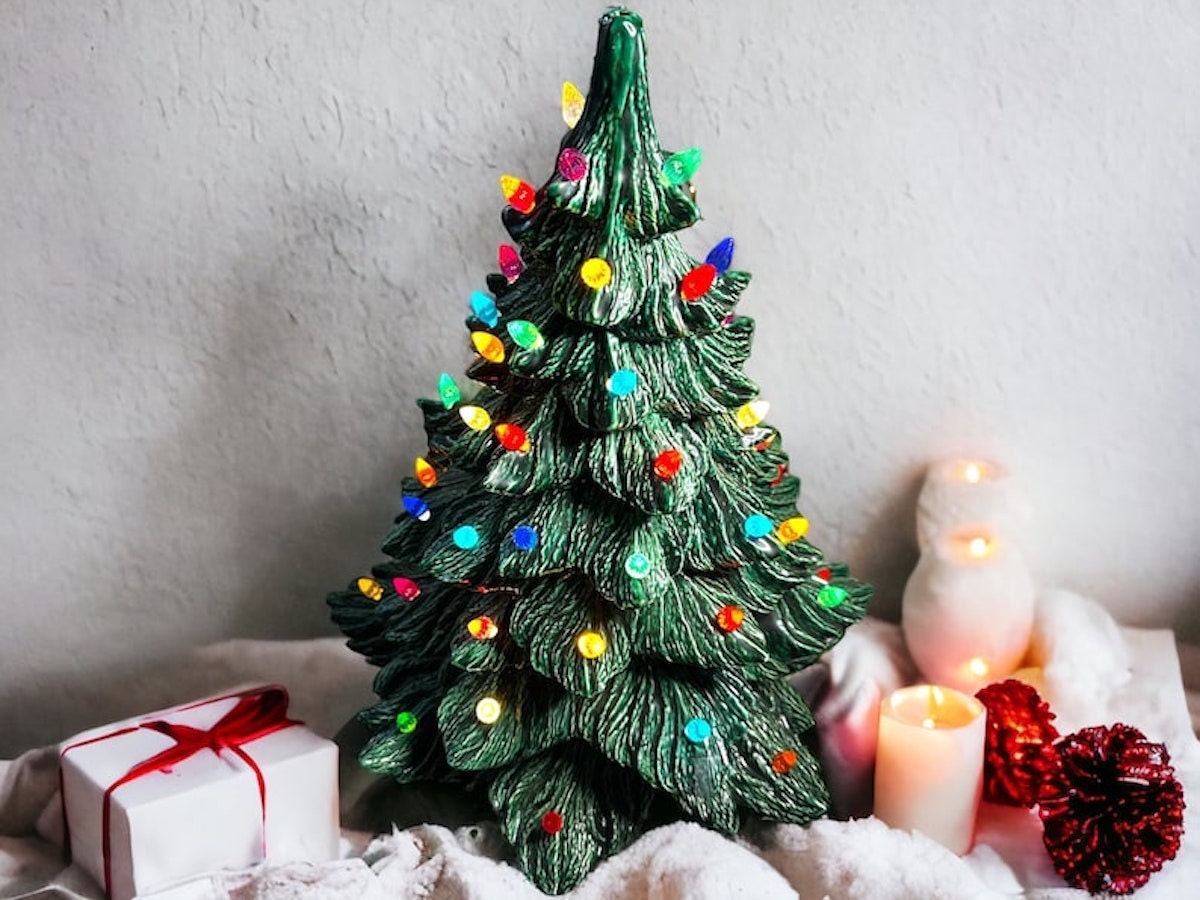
<point>601,741</point>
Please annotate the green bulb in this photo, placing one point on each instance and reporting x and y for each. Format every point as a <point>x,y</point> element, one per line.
<point>406,722</point>
<point>681,166</point>
<point>637,566</point>
<point>526,334</point>
<point>448,391</point>
<point>832,596</point>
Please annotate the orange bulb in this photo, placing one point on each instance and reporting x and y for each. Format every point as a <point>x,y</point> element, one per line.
<point>730,618</point>
<point>426,474</point>
<point>489,346</point>
<point>783,761</point>
<point>482,628</point>
<point>520,195</point>
<point>667,464</point>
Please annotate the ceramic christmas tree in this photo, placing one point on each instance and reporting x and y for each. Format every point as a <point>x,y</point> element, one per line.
<point>599,581</point>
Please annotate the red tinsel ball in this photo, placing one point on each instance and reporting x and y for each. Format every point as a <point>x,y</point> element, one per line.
<point>1017,752</point>
<point>1112,810</point>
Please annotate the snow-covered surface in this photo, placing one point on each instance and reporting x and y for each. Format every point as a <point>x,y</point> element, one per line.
<point>1132,676</point>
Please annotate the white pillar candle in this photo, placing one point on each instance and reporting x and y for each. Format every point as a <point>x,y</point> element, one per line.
<point>929,763</point>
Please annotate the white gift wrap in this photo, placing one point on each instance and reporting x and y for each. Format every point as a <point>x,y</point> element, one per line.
<point>205,813</point>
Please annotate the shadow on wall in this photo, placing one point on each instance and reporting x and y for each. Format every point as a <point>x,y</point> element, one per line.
<point>886,553</point>
<point>268,492</point>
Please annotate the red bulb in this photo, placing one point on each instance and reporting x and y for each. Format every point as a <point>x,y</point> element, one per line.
<point>824,575</point>
<point>510,262</point>
<point>512,437</point>
<point>778,479</point>
<point>552,822</point>
<point>730,618</point>
<point>667,463</point>
<point>696,283</point>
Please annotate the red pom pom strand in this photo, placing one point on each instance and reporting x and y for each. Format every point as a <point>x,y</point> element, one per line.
<point>552,822</point>
<point>1017,754</point>
<point>1111,810</point>
<point>697,282</point>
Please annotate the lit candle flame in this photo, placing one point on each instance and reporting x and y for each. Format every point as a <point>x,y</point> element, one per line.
<point>978,667</point>
<point>973,473</point>
<point>979,547</point>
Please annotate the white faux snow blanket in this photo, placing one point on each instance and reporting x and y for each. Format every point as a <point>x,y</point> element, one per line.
<point>1096,673</point>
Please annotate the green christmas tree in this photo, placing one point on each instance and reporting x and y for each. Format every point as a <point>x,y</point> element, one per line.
<point>599,581</point>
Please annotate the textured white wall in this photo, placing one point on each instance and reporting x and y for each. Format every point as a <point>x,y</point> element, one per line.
<point>238,238</point>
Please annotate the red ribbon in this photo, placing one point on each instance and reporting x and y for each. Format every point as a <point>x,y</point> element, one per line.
<point>259,712</point>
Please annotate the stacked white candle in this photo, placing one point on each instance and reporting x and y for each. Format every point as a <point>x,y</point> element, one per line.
<point>968,606</point>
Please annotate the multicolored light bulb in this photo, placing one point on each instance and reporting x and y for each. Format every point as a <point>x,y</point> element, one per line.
<point>572,165</point>
<point>512,437</point>
<point>406,722</point>
<point>697,730</point>
<point>783,761</point>
<point>792,529</point>
<point>483,628</point>
<point>416,507</point>
<point>697,282</point>
<point>757,526</point>
<point>406,588</point>
<point>476,417</point>
<point>720,257</point>
<point>448,390</point>
<point>424,472</point>
<point>510,262</point>
<point>622,382</point>
<point>572,104</point>
<point>525,537</point>
<point>525,334</point>
<point>832,596</point>
<point>552,822</point>
<point>730,618</point>
<point>370,588</point>
<point>488,710</point>
<point>667,464</point>
<point>591,644</point>
<point>484,308</point>
<point>488,346</point>
<point>680,167</point>
<point>637,565</point>
<point>520,195</point>
<point>750,414</point>
<point>596,273</point>
<point>465,537</point>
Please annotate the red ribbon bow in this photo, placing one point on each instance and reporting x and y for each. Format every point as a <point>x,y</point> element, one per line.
<point>259,712</point>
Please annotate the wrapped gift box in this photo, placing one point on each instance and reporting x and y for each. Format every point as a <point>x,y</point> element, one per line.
<point>224,783</point>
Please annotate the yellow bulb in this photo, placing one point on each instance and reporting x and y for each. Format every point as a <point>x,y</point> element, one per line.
<point>572,104</point>
<point>476,417</point>
<point>979,547</point>
<point>978,667</point>
<point>482,628</point>
<point>489,346</point>
<point>591,644</point>
<point>792,529</point>
<point>752,413</point>
<point>487,710</point>
<point>426,474</point>
<point>509,185</point>
<point>370,588</point>
<point>973,473</point>
<point>596,273</point>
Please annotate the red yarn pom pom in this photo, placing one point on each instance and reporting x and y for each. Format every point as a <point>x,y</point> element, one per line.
<point>1112,811</point>
<point>1017,753</point>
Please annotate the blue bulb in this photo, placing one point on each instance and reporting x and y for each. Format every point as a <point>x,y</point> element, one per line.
<point>416,507</point>
<point>525,537</point>
<point>757,526</point>
<point>465,537</point>
<point>697,730</point>
<point>485,309</point>
<point>720,257</point>
<point>622,383</point>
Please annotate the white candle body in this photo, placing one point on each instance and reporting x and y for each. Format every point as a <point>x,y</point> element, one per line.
<point>929,764</point>
<point>960,495</point>
<point>967,621</point>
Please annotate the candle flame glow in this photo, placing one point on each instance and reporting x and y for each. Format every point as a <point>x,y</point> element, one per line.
<point>973,473</point>
<point>979,547</point>
<point>978,667</point>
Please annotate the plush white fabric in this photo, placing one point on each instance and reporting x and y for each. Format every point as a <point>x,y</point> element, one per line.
<point>855,859</point>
